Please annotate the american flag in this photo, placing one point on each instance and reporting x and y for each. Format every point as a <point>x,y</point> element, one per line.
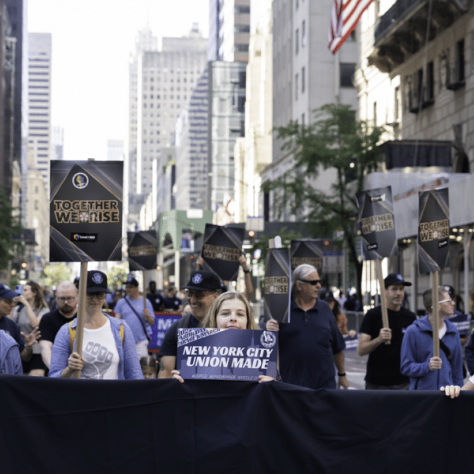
<point>344,18</point>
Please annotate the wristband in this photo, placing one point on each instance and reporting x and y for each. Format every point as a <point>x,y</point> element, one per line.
<point>341,375</point>
<point>246,271</point>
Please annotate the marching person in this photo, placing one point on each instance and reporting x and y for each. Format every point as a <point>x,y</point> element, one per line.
<point>311,344</point>
<point>108,348</point>
<point>25,342</point>
<point>51,323</point>
<point>201,291</point>
<point>383,365</point>
<point>140,320</point>
<point>427,372</point>
<point>27,314</point>
<point>10,360</point>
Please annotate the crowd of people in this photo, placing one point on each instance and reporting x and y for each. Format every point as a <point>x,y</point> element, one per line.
<point>38,339</point>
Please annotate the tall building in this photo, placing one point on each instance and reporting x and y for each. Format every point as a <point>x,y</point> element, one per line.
<point>226,124</point>
<point>191,148</point>
<point>229,30</point>
<point>57,143</point>
<point>39,101</point>
<point>306,75</point>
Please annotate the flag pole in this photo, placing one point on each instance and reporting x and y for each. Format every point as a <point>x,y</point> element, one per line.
<point>435,308</point>
<point>80,314</point>
<point>383,301</point>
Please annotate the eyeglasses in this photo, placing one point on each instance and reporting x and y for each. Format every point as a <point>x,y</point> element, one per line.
<point>63,299</point>
<point>90,296</point>
<point>199,295</point>
<point>312,282</point>
<point>7,301</point>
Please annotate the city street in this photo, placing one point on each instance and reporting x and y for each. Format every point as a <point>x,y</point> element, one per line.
<point>355,369</point>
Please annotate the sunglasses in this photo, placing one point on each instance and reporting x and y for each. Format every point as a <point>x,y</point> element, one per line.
<point>312,282</point>
<point>99,296</point>
<point>199,295</point>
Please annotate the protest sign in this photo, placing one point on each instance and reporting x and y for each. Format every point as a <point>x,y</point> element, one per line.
<point>86,211</point>
<point>163,322</point>
<point>309,251</point>
<point>351,343</point>
<point>433,230</point>
<point>222,247</point>
<point>142,250</point>
<point>377,223</point>
<point>277,285</point>
<point>232,354</point>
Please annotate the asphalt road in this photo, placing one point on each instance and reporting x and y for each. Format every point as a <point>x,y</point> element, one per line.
<point>355,367</point>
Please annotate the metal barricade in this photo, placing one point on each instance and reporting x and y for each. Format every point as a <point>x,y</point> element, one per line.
<point>354,319</point>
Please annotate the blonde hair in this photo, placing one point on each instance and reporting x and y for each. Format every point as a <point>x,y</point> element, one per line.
<point>210,320</point>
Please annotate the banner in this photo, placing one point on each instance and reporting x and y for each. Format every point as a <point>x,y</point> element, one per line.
<point>309,251</point>
<point>377,223</point>
<point>86,211</point>
<point>277,285</point>
<point>226,354</point>
<point>433,230</point>
<point>351,343</point>
<point>142,250</point>
<point>222,247</point>
<point>163,322</point>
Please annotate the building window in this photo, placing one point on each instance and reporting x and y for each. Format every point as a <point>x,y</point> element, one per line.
<point>347,71</point>
<point>460,73</point>
<point>303,33</point>
<point>296,86</point>
<point>36,205</point>
<point>396,105</point>
<point>296,41</point>
<point>302,80</point>
<point>375,114</point>
<point>302,119</point>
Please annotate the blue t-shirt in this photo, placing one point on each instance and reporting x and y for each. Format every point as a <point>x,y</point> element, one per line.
<point>172,303</point>
<point>12,328</point>
<point>128,315</point>
<point>307,346</point>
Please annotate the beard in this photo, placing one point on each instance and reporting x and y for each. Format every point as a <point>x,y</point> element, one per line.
<point>66,309</point>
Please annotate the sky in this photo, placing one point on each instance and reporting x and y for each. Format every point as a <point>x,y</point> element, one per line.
<point>92,41</point>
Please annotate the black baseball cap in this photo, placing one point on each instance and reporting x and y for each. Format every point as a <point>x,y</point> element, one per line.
<point>131,281</point>
<point>395,279</point>
<point>6,293</point>
<point>203,281</point>
<point>450,290</point>
<point>97,282</point>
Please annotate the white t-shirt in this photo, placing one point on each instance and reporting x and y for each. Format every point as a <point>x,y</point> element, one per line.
<point>442,332</point>
<point>100,354</point>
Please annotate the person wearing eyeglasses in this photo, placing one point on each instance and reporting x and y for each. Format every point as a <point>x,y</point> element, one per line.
<point>108,347</point>
<point>51,323</point>
<point>201,291</point>
<point>427,372</point>
<point>383,364</point>
<point>311,344</point>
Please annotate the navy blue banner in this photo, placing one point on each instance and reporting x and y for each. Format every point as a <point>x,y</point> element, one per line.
<point>351,343</point>
<point>163,321</point>
<point>232,354</point>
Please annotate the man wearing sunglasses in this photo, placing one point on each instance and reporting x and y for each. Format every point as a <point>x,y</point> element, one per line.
<point>51,323</point>
<point>201,291</point>
<point>383,365</point>
<point>427,372</point>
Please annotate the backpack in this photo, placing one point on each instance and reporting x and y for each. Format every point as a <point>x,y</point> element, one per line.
<point>72,335</point>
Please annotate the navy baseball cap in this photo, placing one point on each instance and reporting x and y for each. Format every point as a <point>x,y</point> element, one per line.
<point>203,281</point>
<point>6,293</point>
<point>395,279</point>
<point>97,282</point>
<point>131,281</point>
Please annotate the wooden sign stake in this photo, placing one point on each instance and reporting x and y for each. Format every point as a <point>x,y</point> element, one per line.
<point>80,314</point>
<point>435,300</point>
<point>383,301</point>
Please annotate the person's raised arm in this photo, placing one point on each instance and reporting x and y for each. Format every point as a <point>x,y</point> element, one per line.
<point>167,365</point>
<point>367,345</point>
<point>247,277</point>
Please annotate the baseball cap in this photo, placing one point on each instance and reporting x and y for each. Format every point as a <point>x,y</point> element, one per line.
<point>326,295</point>
<point>97,282</point>
<point>202,281</point>
<point>131,280</point>
<point>395,279</point>
<point>6,293</point>
<point>450,290</point>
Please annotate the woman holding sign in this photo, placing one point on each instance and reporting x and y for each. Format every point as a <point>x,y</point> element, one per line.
<point>108,349</point>
<point>230,310</point>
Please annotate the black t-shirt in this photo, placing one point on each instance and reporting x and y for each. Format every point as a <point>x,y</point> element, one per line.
<point>51,323</point>
<point>169,347</point>
<point>172,303</point>
<point>157,301</point>
<point>12,328</point>
<point>383,366</point>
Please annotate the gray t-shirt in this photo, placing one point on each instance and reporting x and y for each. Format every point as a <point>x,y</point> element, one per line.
<point>21,318</point>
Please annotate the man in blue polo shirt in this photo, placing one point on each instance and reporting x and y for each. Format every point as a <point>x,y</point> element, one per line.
<point>311,343</point>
